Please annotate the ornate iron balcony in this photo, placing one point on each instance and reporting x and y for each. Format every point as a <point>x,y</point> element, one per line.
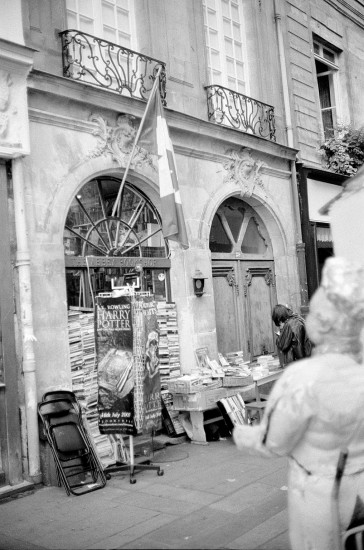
<point>239,111</point>
<point>101,63</point>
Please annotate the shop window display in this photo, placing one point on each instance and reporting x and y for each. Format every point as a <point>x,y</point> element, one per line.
<point>103,251</point>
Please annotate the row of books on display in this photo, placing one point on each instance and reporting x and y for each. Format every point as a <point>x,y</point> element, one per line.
<point>211,374</point>
<point>169,349</point>
<point>84,384</point>
<point>169,364</point>
<point>233,410</point>
<point>228,371</point>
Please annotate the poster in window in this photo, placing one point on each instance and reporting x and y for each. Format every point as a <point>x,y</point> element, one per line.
<point>115,376</point>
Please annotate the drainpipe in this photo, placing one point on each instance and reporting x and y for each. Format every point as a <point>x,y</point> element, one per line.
<point>300,245</point>
<point>25,318</point>
<point>283,68</point>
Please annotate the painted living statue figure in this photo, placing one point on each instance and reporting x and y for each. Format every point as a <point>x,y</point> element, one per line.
<point>315,411</point>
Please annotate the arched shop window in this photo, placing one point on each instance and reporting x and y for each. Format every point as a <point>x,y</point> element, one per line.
<point>103,251</point>
<point>237,231</point>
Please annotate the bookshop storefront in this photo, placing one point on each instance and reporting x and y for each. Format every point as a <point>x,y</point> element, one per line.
<point>106,255</point>
<point>82,246</point>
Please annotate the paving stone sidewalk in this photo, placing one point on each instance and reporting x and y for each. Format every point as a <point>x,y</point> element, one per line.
<point>209,497</point>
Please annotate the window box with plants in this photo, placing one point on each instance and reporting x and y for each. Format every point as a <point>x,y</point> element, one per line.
<point>344,152</point>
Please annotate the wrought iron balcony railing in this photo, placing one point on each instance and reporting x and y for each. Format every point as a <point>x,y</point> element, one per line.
<point>96,61</point>
<point>239,111</point>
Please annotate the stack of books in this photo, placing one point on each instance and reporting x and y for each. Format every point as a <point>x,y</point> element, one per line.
<point>233,410</point>
<point>169,363</point>
<point>81,335</point>
<point>171,418</point>
<point>163,343</point>
<point>237,365</point>
<point>235,358</point>
<point>138,362</point>
<point>90,390</point>
<point>169,348</point>
<point>88,341</point>
<point>103,443</point>
<point>76,355</point>
<point>237,372</point>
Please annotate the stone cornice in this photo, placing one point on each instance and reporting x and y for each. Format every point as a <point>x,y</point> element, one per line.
<point>198,153</point>
<point>44,117</point>
<point>179,123</point>
<point>192,152</point>
<point>346,9</point>
<point>15,56</point>
<point>276,172</point>
<point>53,119</point>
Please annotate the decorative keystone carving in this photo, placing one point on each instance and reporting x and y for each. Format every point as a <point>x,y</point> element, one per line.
<point>243,170</point>
<point>118,141</point>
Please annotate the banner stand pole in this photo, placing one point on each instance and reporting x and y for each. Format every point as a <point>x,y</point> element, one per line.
<point>131,450</point>
<point>131,466</point>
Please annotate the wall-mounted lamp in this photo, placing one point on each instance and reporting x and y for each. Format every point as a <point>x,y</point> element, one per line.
<point>198,282</point>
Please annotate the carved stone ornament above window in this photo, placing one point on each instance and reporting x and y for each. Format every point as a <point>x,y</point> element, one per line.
<point>243,170</point>
<point>118,142</point>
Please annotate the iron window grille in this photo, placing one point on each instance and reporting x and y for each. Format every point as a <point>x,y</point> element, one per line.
<point>101,63</point>
<point>235,110</point>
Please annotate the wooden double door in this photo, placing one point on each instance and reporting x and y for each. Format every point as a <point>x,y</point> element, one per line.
<point>245,294</point>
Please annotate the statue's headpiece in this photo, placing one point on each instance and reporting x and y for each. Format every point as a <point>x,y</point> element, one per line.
<point>343,284</point>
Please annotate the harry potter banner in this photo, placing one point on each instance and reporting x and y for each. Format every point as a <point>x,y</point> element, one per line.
<point>127,340</point>
<point>114,348</point>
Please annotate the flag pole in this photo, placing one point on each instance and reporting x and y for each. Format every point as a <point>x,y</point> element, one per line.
<point>155,84</point>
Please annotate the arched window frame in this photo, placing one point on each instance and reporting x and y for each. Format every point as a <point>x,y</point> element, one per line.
<point>236,244</point>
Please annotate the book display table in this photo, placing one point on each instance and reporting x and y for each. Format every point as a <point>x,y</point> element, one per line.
<point>195,404</point>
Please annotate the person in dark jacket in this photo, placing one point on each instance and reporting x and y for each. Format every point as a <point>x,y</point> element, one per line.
<point>292,340</point>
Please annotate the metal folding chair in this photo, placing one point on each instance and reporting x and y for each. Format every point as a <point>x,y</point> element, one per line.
<point>78,467</point>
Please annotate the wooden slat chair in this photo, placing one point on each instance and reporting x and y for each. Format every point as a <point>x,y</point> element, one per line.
<point>257,406</point>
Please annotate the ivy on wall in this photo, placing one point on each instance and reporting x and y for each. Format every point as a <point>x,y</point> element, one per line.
<point>344,152</point>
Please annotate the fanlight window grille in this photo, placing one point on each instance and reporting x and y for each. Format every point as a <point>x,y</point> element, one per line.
<point>91,229</point>
<point>236,229</point>
<point>103,251</point>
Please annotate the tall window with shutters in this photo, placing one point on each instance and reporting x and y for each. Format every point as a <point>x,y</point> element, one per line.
<point>224,38</point>
<point>112,20</point>
<point>103,23</point>
<point>327,71</point>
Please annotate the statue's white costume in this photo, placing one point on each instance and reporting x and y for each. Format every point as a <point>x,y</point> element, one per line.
<point>316,409</point>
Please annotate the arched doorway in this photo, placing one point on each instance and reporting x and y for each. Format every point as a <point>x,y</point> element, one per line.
<point>243,280</point>
<point>103,251</point>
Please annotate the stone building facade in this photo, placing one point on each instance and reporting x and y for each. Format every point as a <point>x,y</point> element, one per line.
<point>325,71</point>
<point>242,106</point>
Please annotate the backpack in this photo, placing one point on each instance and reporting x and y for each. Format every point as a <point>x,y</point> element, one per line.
<point>305,349</point>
